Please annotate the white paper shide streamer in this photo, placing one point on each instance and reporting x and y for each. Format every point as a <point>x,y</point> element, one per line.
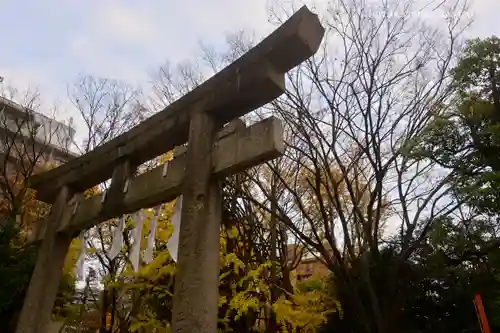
<point>80,273</point>
<point>148,254</point>
<point>136,237</point>
<point>173,242</point>
<point>117,244</point>
<point>138,217</point>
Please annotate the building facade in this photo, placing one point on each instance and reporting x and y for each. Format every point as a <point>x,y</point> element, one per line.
<point>305,263</point>
<point>29,143</point>
<point>25,134</point>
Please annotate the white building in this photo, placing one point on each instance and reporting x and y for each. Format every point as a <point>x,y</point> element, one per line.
<point>27,133</point>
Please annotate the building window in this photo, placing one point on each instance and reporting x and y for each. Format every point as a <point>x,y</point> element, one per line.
<point>303,277</point>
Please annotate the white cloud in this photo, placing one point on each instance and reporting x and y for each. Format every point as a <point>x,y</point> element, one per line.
<point>485,18</point>
<point>127,25</point>
<point>113,40</point>
<point>22,77</point>
<point>126,39</point>
<point>142,35</point>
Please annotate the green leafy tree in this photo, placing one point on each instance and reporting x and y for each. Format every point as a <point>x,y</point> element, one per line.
<point>437,284</point>
<point>17,261</point>
<point>457,260</point>
<point>465,136</point>
<point>16,265</point>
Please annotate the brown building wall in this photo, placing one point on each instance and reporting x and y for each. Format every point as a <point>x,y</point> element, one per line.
<point>310,268</point>
<point>306,265</point>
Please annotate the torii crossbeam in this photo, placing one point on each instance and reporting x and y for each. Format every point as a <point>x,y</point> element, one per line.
<point>253,80</point>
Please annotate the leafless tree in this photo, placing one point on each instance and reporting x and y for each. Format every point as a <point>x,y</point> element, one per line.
<point>172,81</point>
<point>108,108</point>
<point>261,238</point>
<point>347,187</point>
<point>30,142</point>
<point>352,113</point>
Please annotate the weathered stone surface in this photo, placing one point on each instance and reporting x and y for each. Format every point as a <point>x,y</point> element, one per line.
<point>113,198</point>
<point>244,148</point>
<point>253,80</point>
<point>41,294</point>
<point>233,126</point>
<point>196,288</point>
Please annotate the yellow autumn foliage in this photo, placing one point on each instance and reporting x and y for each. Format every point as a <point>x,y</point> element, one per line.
<point>302,311</point>
<point>247,289</point>
<point>306,308</point>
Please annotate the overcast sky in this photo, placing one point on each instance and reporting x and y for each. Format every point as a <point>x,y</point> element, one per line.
<point>48,43</point>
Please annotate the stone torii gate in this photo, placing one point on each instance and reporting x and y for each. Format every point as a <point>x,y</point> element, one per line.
<point>213,151</point>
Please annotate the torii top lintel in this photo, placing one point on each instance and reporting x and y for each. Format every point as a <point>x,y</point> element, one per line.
<point>256,78</point>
